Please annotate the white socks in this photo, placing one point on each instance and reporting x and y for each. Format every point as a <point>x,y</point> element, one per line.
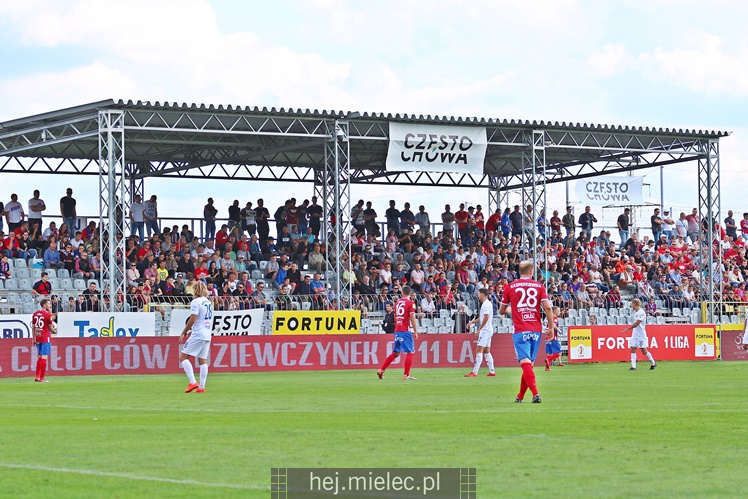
<point>650,358</point>
<point>478,361</point>
<point>489,363</point>
<point>633,360</point>
<point>203,374</point>
<point>187,366</point>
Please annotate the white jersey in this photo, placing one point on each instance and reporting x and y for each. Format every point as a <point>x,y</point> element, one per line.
<point>745,332</point>
<point>203,326</point>
<point>640,330</point>
<point>486,309</point>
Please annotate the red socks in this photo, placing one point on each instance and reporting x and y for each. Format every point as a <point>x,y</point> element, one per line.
<point>388,361</point>
<point>41,368</point>
<point>553,357</point>
<point>408,363</point>
<point>522,388</point>
<point>528,377</point>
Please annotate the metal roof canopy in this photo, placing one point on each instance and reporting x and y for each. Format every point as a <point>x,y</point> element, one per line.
<point>199,141</point>
<point>124,142</point>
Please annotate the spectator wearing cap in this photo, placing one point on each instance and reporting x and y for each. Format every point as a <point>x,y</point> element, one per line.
<point>179,286</point>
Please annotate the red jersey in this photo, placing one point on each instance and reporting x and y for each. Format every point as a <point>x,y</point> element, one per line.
<point>404,309</point>
<point>40,322</point>
<point>525,297</point>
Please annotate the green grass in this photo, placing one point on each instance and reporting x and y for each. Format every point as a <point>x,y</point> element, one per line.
<point>601,431</point>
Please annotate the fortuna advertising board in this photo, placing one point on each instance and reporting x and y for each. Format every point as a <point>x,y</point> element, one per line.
<point>609,344</point>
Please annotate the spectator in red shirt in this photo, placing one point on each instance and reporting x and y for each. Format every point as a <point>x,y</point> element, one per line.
<point>43,286</point>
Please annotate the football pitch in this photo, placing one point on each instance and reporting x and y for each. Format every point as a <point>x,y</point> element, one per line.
<point>601,431</point>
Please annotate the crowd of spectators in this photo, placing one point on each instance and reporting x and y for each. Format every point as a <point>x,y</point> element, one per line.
<point>446,260</point>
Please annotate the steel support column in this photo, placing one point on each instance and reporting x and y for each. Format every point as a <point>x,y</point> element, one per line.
<point>533,191</point>
<point>498,196</point>
<point>112,206</point>
<point>337,208</point>
<point>709,214</point>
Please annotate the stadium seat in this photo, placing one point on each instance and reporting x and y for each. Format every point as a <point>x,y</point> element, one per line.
<point>263,264</point>
<point>22,273</point>
<point>660,319</point>
<point>25,283</point>
<point>79,284</point>
<point>52,273</point>
<point>613,312</point>
<point>20,263</point>
<point>733,319</point>
<point>63,274</point>
<point>603,312</point>
<point>36,273</point>
<point>66,284</point>
<point>11,284</point>
<point>29,308</point>
<point>256,274</point>
<point>573,313</point>
<point>677,312</point>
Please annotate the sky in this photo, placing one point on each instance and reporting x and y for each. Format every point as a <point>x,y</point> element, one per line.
<point>663,63</point>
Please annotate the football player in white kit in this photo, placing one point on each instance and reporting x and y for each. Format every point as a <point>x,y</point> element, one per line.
<point>485,332</point>
<point>639,336</point>
<point>197,344</point>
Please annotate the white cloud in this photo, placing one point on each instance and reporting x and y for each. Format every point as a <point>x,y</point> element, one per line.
<point>613,59</point>
<point>704,65</point>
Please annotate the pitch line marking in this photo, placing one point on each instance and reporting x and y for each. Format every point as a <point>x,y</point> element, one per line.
<point>130,476</point>
<point>511,409</point>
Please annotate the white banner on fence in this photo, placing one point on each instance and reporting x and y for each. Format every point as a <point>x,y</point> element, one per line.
<point>436,148</point>
<point>611,191</point>
<point>225,322</point>
<point>15,326</point>
<point>105,325</point>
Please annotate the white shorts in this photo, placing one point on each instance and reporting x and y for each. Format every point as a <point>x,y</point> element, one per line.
<point>484,339</point>
<point>196,348</point>
<point>638,342</point>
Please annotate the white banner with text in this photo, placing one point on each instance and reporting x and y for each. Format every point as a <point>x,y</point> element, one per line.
<point>225,322</point>
<point>436,148</point>
<point>611,191</point>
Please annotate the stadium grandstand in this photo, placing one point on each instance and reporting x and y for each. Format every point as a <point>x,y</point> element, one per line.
<point>329,252</point>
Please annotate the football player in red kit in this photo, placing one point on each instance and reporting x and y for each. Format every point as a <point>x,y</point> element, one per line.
<point>405,316</point>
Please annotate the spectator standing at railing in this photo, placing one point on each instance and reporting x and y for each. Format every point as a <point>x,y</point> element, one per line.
<point>150,216</point>
<point>422,220</point>
<point>209,216</point>
<point>248,219</point>
<point>407,219</point>
<point>694,225</point>
<point>137,218</point>
<point>516,219</point>
<point>731,228</point>
<point>314,214</point>
<point>36,207</point>
<point>235,215</point>
<point>587,221</point>
<point>14,214</point>
<point>68,210</point>
<point>448,221</point>
<point>569,222</point>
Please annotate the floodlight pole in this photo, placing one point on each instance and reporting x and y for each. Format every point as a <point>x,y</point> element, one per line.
<point>112,206</point>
